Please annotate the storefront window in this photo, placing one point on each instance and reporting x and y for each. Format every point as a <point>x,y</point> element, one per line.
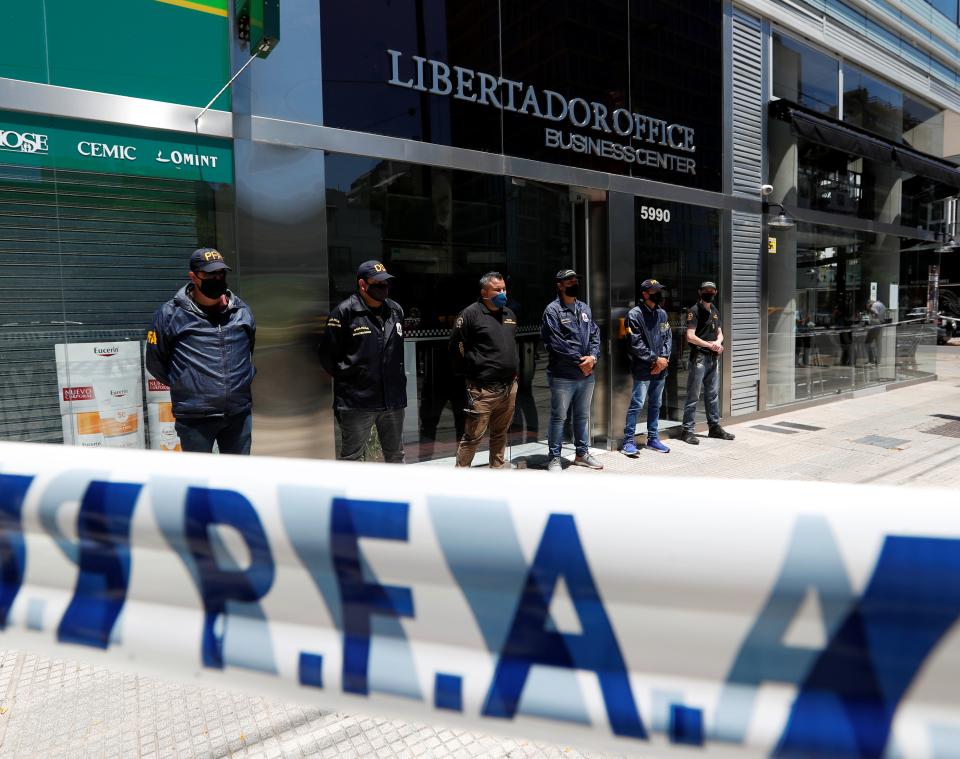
<point>805,76</point>
<point>438,231</point>
<point>844,311</point>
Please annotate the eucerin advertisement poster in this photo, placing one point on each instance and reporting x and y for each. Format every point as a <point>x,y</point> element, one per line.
<point>163,435</point>
<point>100,397</point>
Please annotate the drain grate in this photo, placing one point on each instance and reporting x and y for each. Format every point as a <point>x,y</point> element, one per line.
<point>767,428</point>
<point>881,442</point>
<point>798,426</point>
<point>950,429</point>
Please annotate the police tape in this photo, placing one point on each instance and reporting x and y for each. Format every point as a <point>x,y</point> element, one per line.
<point>659,617</point>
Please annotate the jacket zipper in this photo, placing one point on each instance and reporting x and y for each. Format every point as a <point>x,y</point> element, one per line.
<point>223,366</point>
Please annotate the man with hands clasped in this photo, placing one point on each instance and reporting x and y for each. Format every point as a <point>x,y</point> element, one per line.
<point>572,339</point>
<point>651,341</point>
<point>705,338</point>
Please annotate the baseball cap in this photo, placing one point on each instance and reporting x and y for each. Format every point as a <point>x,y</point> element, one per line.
<point>373,270</point>
<point>566,274</point>
<point>708,285</point>
<point>650,284</point>
<point>207,260</point>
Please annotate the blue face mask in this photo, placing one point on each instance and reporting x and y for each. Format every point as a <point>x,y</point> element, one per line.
<point>499,300</point>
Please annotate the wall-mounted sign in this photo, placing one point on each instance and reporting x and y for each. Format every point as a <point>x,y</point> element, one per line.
<point>771,245</point>
<point>608,133</point>
<point>48,143</point>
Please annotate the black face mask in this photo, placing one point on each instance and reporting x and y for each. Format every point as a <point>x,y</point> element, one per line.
<point>378,292</point>
<point>213,288</point>
<point>572,291</point>
<point>655,298</point>
<point>707,297</point>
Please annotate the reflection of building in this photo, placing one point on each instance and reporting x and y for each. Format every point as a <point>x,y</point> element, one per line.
<point>855,129</point>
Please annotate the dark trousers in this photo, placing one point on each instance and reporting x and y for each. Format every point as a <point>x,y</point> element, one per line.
<point>232,434</point>
<point>703,373</point>
<point>355,426</point>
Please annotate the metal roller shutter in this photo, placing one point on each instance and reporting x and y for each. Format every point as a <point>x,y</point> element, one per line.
<point>83,257</point>
<point>746,228</point>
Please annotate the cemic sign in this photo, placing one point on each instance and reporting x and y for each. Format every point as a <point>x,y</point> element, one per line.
<point>439,78</point>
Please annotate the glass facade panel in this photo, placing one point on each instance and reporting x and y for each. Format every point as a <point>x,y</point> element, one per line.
<point>805,76</point>
<point>872,104</point>
<point>947,7</point>
<point>842,311</point>
<point>675,48</point>
<point>357,69</point>
<point>438,231</point>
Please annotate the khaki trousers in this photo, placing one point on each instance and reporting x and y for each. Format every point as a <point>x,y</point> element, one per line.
<point>487,407</point>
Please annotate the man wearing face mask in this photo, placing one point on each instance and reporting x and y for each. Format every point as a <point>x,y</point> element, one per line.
<point>572,339</point>
<point>362,348</point>
<point>705,338</point>
<point>201,345</point>
<point>651,342</point>
<point>483,348</point>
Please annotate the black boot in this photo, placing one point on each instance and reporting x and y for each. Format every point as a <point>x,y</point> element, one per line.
<point>688,437</point>
<point>720,433</point>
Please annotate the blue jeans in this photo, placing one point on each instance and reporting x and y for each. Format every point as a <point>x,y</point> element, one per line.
<point>355,426</point>
<point>643,390</point>
<point>703,371</point>
<point>565,393</point>
<point>231,433</point>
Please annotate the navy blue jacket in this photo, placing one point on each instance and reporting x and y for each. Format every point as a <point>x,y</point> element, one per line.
<point>568,336</point>
<point>363,351</point>
<point>205,358</point>
<point>650,337</point>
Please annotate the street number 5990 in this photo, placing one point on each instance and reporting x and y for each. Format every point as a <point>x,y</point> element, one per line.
<point>649,213</point>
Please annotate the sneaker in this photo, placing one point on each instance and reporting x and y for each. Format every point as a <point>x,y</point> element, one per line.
<point>720,433</point>
<point>629,448</point>
<point>588,461</point>
<point>689,437</point>
<point>555,465</point>
<point>656,445</point>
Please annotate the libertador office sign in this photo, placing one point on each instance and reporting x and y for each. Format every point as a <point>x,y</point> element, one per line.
<point>618,134</point>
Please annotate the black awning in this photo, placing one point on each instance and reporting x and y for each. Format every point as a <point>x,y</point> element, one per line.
<point>917,163</point>
<point>839,136</point>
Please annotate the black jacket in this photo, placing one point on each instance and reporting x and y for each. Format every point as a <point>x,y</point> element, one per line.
<point>568,336</point>
<point>363,351</point>
<point>483,345</point>
<point>205,358</point>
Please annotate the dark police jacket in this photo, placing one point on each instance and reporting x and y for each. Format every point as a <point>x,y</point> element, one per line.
<point>364,354</point>
<point>206,358</point>
<point>483,345</point>
<point>568,335</point>
<point>650,337</point>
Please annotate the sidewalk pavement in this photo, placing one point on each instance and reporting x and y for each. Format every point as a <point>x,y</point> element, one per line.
<point>909,436</point>
<point>51,707</point>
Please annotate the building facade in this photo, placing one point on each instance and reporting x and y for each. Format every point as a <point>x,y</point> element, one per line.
<point>623,138</point>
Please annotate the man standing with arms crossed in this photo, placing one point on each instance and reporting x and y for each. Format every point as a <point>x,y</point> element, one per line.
<point>651,341</point>
<point>572,339</point>
<point>705,338</point>
<point>483,347</point>
<point>362,348</point>
<point>201,345</point>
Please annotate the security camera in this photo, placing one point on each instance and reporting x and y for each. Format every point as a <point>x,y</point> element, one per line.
<point>766,189</point>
